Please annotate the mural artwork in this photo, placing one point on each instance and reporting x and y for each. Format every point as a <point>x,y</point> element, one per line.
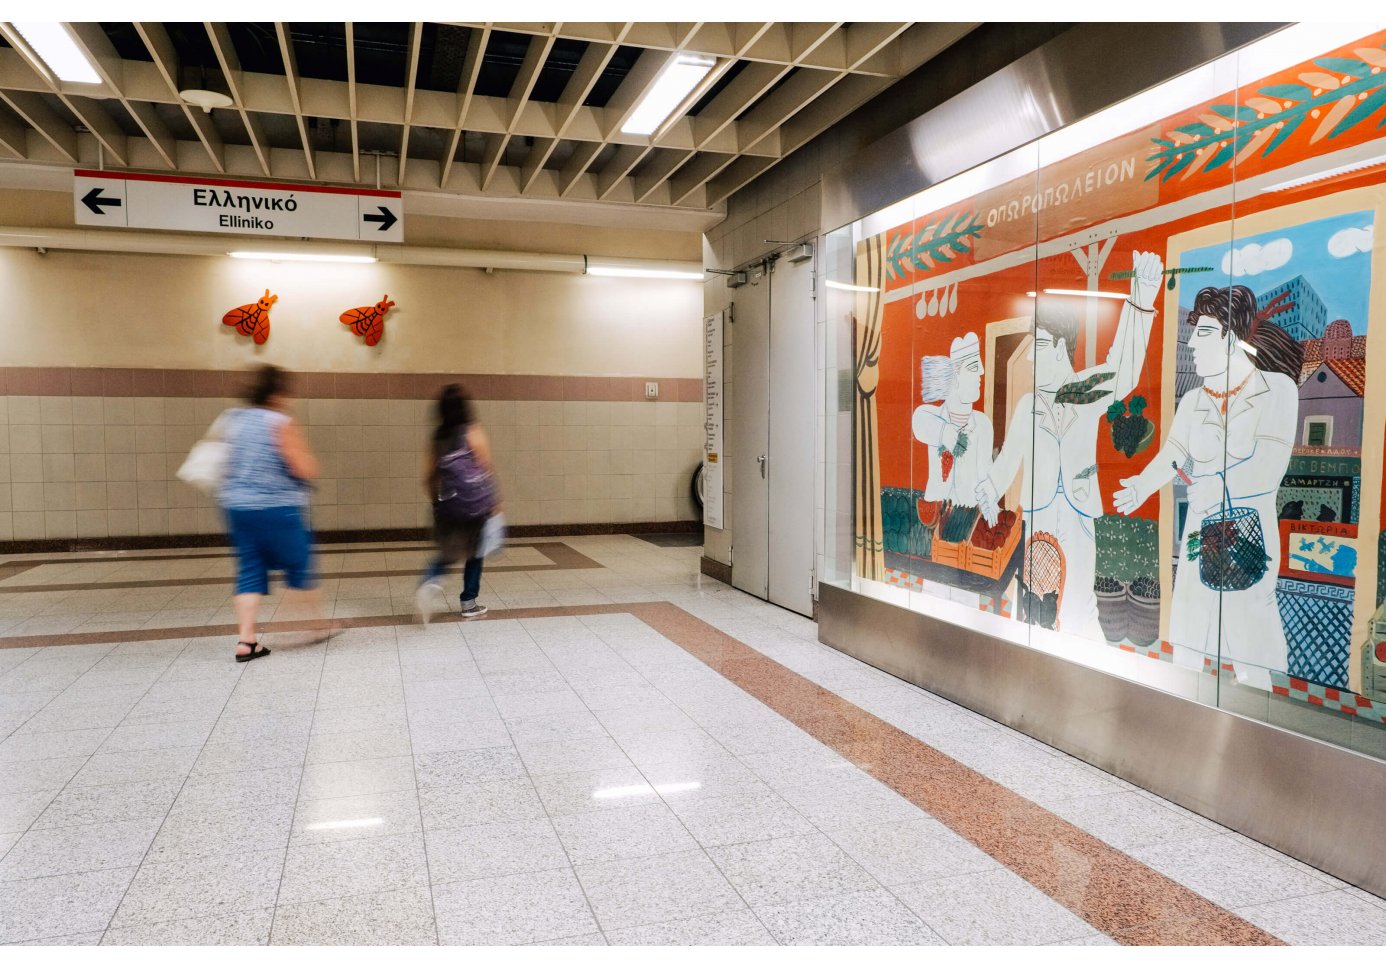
<point>1102,400</point>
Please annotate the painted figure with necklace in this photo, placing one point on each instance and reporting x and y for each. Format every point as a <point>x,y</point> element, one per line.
<point>1232,438</point>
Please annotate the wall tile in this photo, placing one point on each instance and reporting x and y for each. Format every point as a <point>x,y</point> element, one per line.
<point>153,522</point>
<point>55,410</point>
<point>27,496</point>
<point>56,438</point>
<point>60,524</point>
<point>152,495</point>
<point>123,521</point>
<point>120,467</point>
<point>92,524</point>
<point>60,497</point>
<point>26,439</point>
<point>23,410</point>
<point>152,467</point>
<point>26,468</point>
<point>28,525</point>
<point>120,411</point>
<point>58,467</point>
<point>122,496</point>
<point>89,439</point>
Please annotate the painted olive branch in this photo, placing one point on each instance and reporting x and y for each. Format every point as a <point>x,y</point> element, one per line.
<point>1263,120</point>
<point>938,242</point>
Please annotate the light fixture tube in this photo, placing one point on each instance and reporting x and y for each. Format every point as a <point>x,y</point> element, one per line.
<point>1085,293</point>
<point>300,257</point>
<point>52,44</point>
<point>629,272</point>
<point>1330,173</point>
<point>667,92</point>
<point>847,287</point>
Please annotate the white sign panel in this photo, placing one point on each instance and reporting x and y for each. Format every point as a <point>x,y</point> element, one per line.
<point>713,457</point>
<point>270,209</point>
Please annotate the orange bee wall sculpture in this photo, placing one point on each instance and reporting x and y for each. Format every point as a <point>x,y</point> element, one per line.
<point>252,319</point>
<point>369,321</point>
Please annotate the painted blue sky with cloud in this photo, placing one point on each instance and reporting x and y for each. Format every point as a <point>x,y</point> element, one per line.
<point>1343,284</point>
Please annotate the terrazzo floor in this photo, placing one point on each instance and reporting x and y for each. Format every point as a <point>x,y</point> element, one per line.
<point>623,752</point>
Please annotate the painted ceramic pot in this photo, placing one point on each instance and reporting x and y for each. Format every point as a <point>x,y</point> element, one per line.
<point>1143,612</point>
<point>1111,608</point>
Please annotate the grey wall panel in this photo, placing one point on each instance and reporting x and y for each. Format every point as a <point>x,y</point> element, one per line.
<point>1319,803</point>
<point>1078,73</point>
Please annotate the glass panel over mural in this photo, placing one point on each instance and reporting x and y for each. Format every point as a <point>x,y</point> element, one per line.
<point>1109,394</point>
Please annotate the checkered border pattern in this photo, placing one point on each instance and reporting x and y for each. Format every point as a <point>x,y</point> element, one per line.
<point>1164,652</point>
<point>1338,700</point>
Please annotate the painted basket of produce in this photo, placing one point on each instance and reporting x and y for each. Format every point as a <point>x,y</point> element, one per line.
<point>982,550</point>
<point>1230,549</point>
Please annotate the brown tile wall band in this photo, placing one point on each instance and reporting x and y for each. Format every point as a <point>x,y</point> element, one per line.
<point>556,551</point>
<point>1112,891</point>
<point>105,382</point>
<point>715,569</point>
<point>217,540</point>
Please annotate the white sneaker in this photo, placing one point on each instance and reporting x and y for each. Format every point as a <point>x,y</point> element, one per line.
<point>429,600</point>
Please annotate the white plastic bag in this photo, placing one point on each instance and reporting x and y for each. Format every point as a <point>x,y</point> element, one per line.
<point>492,536</point>
<point>205,466</point>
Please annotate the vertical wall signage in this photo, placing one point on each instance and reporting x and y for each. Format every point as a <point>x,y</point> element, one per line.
<point>712,424</point>
<point>272,209</point>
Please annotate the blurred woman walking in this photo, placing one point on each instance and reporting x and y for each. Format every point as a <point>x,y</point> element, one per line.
<point>264,494</point>
<point>460,480</point>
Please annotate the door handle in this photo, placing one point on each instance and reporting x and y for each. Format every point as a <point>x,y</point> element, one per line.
<point>761,461</point>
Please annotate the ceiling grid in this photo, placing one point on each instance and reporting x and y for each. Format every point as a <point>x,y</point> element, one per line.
<point>555,134</point>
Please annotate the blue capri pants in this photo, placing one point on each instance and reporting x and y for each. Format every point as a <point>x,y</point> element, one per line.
<point>268,539</point>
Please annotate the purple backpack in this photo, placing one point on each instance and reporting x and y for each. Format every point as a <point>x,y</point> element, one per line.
<point>465,488</point>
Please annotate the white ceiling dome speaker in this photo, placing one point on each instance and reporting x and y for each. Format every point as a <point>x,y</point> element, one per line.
<point>206,100</point>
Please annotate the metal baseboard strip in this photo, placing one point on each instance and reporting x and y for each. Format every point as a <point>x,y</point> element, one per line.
<point>1316,802</point>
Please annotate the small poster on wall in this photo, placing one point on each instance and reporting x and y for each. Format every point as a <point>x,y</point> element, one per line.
<point>712,424</point>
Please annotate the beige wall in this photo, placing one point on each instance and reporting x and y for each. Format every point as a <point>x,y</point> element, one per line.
<point>93,466</point>
<point>72,308</point>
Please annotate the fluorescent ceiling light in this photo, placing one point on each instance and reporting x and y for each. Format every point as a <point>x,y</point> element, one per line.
<point>1330,173</point>
<point>845,287</point>
<point>300,257</point>
<point>58,51</point>
<point>633,273</point>
<point>667,92</point>
<point>1085,293</point>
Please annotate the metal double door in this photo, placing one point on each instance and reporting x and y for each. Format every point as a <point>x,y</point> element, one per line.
<point>772,446</point>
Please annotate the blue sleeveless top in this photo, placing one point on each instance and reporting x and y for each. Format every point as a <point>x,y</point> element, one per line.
<point>256,475</point>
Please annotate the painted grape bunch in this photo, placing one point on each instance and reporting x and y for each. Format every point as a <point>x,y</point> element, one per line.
<point>948,457</point>
<point>1344,94</point>
<point>1131,432</point>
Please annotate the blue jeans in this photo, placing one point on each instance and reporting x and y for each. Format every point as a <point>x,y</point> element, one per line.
<point>271,538</point>
<point>471,577</point>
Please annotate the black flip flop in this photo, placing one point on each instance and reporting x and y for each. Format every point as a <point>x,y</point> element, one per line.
<point>256,650</point>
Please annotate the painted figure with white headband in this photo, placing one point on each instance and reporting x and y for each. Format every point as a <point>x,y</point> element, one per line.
<point>959,438</point>
<point>1052,436</point>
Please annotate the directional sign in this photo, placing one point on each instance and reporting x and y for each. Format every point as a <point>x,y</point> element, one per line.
<point>268,209</point>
